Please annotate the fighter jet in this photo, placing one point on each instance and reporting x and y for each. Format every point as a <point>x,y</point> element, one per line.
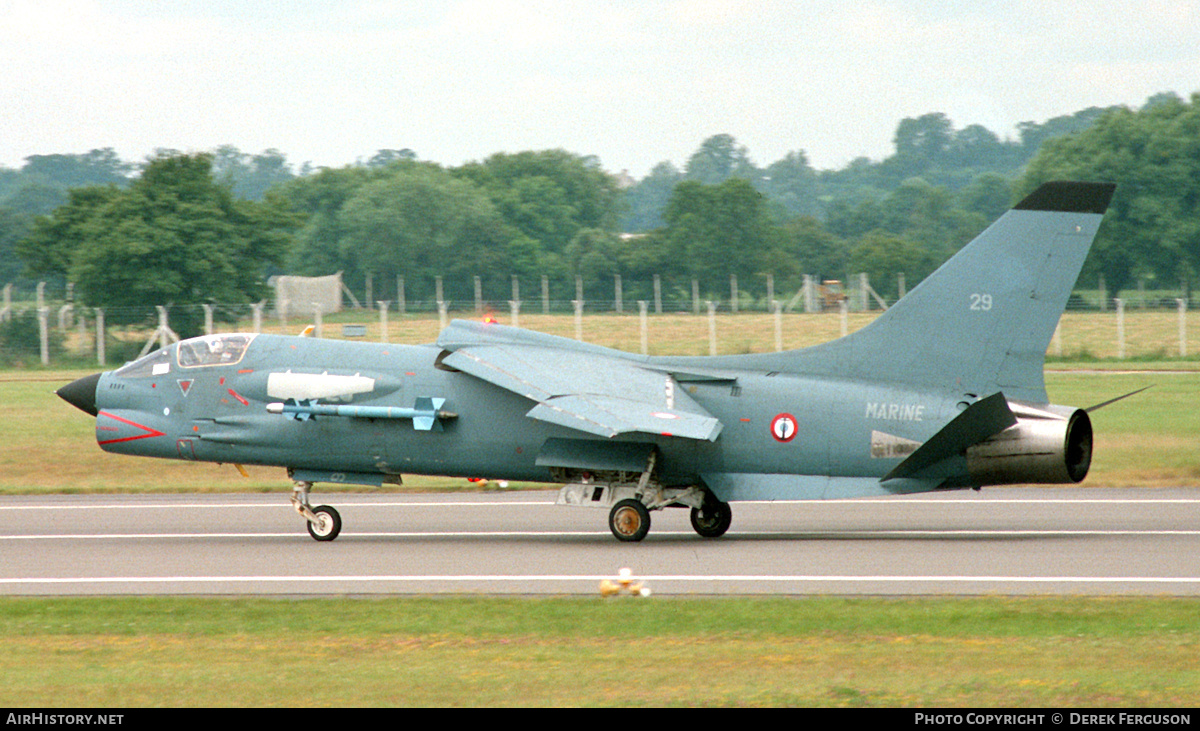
<point>944,390</point>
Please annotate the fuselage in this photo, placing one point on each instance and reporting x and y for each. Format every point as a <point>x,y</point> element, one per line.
<point>174,404</point>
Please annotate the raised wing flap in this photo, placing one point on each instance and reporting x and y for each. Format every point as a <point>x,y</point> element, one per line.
<point>588,390</point>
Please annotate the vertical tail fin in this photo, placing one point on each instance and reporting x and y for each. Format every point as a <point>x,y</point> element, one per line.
<point>982,321</point>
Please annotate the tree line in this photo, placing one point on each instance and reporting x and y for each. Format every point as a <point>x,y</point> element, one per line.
<point>187,229</point>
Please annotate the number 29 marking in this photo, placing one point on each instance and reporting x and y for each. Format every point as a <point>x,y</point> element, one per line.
<point>981,302</point>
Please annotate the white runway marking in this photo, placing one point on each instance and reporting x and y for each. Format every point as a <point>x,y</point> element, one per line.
<point>791,534</point>
<point>551,578</point>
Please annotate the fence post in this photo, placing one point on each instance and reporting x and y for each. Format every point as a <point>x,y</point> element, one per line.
<point>545,295</point>
<point>657,295</point>
<point>1182,304</point>
<point>100,353</point>
<point>317,323</point>
<point>844,308</point>
<point>733,294</point>
<point>900,285</point>
<point>712,327</point>
<point>770,289</point>
<point>514,308</point>
<point>370,290</point>
<point>578,318</point>
<point>43,315</point>
<point>642,307</point>
<point>441,314</point>
<point>257,310</point>
<point>478,295</point>
<point>810,294</point>
<point>208,319</point>
<point>696,296</point>
<point>1120,303</point>
<point>516,288</point>
<point>777,308</point>
<point>437,286</point>
<point>617,296</point>
<point>383,306</point>
<point>163,326</point>
<point>401,304</point>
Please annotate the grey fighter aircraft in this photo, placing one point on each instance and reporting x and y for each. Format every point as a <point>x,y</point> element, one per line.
<point>944,390</point>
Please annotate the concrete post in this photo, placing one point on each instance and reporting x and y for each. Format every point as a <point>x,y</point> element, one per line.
<point>1182,305</point>
<point>617,296</point>
<point>383,306</point>
<point>578,318</point>
<point>642,307</point>
<point>514,308</point>
<point>712,327</point>
<point>1120,303</point>
<point>43,315</point>
<point>257,310</point>
<point>441,307</point>
<point>100,344</point>
<point>733,294</point>
<point>657,295</point>
<point>208,319</point>
<point>777,309</point>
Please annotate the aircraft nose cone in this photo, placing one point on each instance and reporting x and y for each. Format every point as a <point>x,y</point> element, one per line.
<point>82,393</point>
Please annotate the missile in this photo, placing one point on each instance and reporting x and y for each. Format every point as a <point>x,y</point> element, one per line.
<point>426,415</point>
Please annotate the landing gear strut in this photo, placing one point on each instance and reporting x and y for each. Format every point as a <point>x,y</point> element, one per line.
<point>324,523</point>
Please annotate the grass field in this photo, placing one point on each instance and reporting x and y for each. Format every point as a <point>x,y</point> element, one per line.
<point>990,652</point>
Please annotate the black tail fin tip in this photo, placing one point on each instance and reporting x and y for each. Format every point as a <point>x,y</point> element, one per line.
<point>1069,197</point>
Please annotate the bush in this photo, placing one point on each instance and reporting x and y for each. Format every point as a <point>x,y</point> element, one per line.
<point>20,343</point>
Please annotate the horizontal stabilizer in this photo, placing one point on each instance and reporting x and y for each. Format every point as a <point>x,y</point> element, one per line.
<point>981,420</point>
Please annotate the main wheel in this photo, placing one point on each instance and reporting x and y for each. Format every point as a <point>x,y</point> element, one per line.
<point>328,523</point>
<point>712,520</point>
<point>629,520</point>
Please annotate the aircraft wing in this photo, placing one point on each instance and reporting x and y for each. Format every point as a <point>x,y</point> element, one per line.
<point>588,390</point>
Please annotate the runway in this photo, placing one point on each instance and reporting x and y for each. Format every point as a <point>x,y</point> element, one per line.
<point>1003,541</point>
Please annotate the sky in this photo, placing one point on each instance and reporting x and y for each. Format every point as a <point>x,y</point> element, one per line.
<point>633,82</point>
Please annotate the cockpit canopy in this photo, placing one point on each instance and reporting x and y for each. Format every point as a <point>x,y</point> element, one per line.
<point>209,350</point>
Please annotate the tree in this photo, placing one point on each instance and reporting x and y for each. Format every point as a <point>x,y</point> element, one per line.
<point>720,158</point>
<point>1153,155</point>
<point>175,237</point>
<point>549,196</point>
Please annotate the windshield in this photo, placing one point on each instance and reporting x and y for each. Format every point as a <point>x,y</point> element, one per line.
<point>155,364</point>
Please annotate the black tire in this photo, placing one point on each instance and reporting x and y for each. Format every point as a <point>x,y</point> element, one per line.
<point>629,521</point>
<point>712,520</point>
<point>328,524</point>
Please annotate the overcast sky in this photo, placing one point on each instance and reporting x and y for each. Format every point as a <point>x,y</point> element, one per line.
<point>634,82</point>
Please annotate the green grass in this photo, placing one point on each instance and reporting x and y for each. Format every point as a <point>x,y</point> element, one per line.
<point>591,652</point>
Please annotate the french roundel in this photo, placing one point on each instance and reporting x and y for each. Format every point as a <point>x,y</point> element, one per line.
<point>783,427</point>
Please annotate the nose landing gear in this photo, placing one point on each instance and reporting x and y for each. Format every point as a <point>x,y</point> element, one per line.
<point>324,523</point>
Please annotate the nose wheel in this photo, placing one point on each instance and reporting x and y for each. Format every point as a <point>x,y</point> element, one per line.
<point>324,523</point>
<point>327,523</point>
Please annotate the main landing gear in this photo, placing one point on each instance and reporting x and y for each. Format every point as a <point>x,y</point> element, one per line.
<point>324,523</point>
<point>631,496</point>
